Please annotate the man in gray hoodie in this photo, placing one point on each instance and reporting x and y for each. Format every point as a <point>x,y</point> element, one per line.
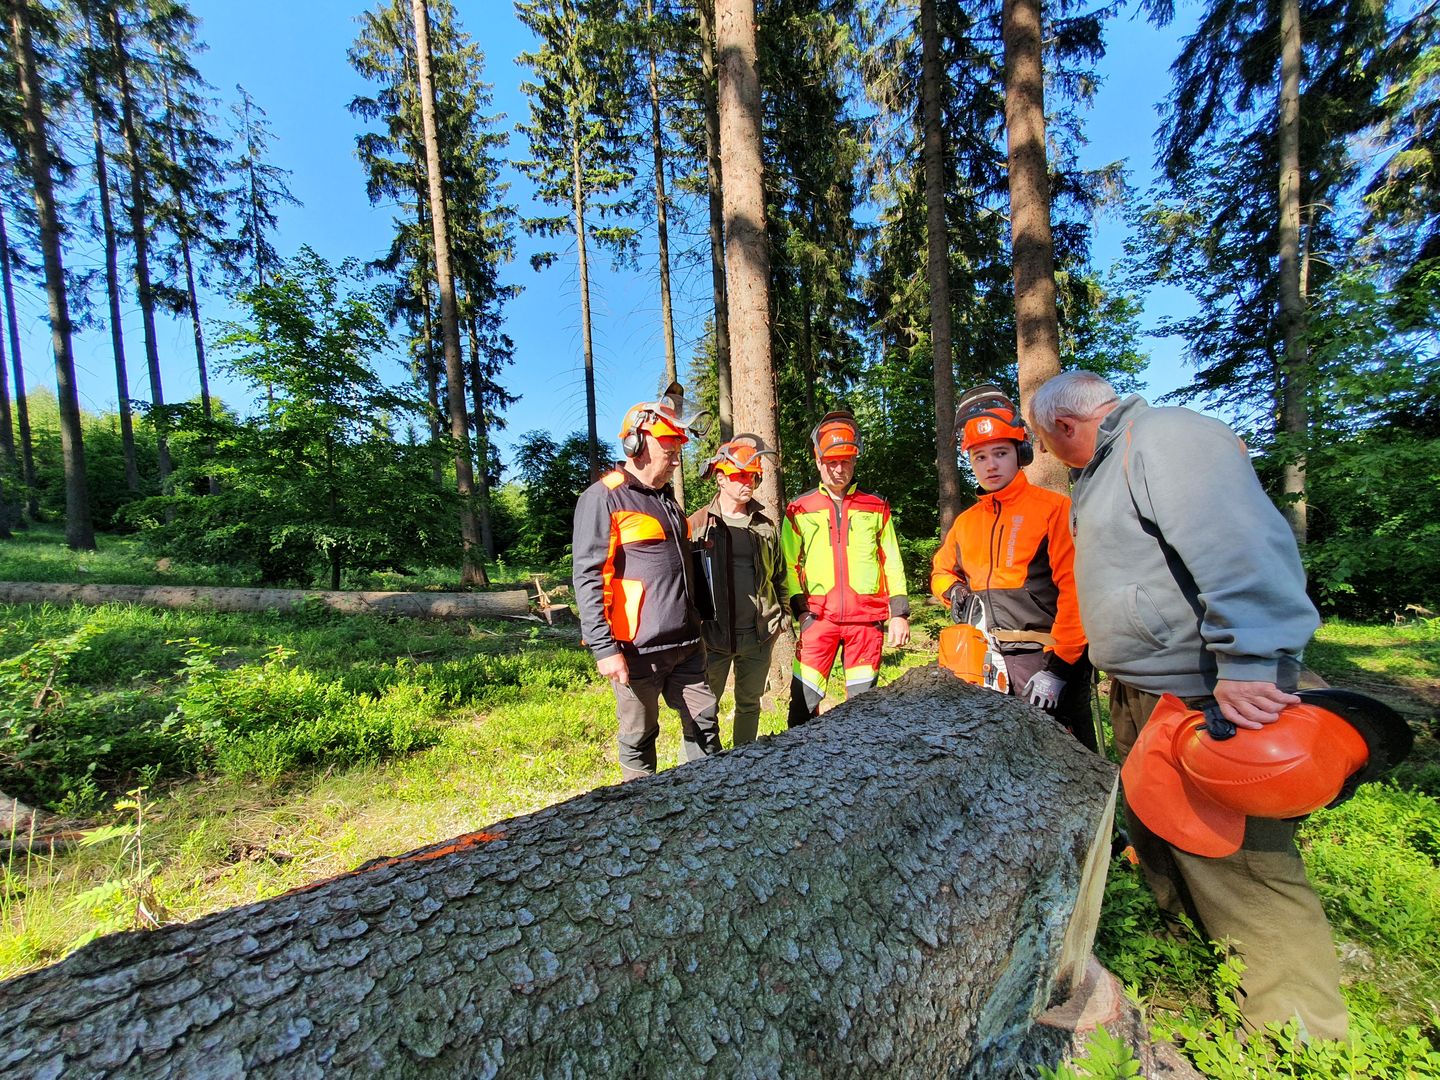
<point>1190,583</point>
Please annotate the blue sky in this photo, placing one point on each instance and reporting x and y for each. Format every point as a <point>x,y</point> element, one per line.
<point>291,57</point>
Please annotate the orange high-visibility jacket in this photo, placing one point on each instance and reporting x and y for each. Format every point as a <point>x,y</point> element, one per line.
<point>635,586</point>
<point>1014,550</point>
<point>843,566</point>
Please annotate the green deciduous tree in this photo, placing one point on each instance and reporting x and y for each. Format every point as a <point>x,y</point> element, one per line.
<point>316,479</point>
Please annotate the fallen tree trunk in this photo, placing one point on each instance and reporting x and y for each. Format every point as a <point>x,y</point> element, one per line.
<point>885,891</point>
<point>416,605</point>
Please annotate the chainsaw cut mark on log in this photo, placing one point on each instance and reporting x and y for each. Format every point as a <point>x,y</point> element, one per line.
<point>885,890</point>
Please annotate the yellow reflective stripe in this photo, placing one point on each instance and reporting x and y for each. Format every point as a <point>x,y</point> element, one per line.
<point>859,673</point>
<point>812,678</point>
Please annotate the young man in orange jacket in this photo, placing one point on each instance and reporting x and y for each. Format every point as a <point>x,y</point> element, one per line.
<point>843,574</point>
<point>1008,561</point>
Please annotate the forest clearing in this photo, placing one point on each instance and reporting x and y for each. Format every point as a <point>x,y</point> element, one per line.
<point>202,761</point>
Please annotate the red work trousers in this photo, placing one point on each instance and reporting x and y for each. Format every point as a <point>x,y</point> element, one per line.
<point>815,653</point>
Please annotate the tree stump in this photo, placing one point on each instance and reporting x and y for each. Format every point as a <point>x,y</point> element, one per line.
<point>885,891</point>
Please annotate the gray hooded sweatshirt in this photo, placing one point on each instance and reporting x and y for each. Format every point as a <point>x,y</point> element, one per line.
<point>1186,571</point>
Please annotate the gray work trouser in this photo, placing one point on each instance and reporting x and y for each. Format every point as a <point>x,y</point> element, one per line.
<point>751,660</point>
<point>1258,899</point>
<point>679,676</point>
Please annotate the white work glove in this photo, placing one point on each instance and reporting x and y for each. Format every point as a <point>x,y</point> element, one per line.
<point>1044,689</point>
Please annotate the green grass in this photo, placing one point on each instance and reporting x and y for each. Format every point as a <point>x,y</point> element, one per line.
<point>278,749</point>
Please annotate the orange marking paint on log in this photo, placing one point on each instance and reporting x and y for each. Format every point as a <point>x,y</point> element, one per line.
<point>452,847</point>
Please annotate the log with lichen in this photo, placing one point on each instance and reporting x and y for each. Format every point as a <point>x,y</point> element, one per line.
<point>885,891</point>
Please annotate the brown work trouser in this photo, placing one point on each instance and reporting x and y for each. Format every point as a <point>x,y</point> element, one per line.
<point>1257,899</point>
<point>679,676</point>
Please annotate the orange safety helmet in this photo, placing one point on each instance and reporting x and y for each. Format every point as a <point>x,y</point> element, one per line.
<point>742,454</point>
<point>836,436</point>
<point>986,414</point>
<point>1195,790</point>
<point>667,416</point>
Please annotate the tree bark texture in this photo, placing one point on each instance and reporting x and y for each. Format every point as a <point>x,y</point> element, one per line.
<point>937,257</point>
<point>747,248</point>
<point>1295,411</point>
<point>1037,327</point>
<point>419,605</point>
<point>705,10</point>
<point>755,408</point>
<point>79,530</point>
<point>472,567</point>
<point>882,892</point>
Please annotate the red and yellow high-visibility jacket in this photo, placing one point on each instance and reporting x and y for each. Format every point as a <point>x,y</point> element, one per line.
<point>843,563</point>
<point>634,578</point>
<point>1013,549</point>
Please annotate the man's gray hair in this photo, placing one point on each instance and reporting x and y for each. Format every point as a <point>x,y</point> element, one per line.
<point>1071,394</point>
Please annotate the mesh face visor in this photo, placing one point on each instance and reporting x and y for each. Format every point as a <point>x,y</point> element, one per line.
<point>670,415</point>
<point>742,454</point>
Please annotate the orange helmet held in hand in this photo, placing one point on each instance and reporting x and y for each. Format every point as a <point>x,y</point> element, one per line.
<point>836,436</point>
<point>1195,790</point>
<point>986,414</point>
<point>742,454</point>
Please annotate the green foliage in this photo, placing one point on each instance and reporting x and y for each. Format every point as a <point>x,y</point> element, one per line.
<point>270,719</point>
<point>1373,473</point>
<point>554,475</point>
<point>1106,1057</point>
<point>316,482</point>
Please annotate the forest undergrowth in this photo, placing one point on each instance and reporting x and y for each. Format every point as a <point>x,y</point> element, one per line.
<point>210,760</point>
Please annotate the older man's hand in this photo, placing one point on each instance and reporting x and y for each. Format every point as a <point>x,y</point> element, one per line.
<point>1252,704</point>
<point>615,669</point>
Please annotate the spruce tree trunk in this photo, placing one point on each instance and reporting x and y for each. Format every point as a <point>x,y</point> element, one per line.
<point>577,202</point>
<point>432,377</point>
<point>192,301</point>
<point>747,247</point>
<point>895,890</point>
<point>1037,328</point>
<point>472,567</point>
<point>79,532</point>
<point>482,444</point>
<point>22,406</point>
<point>747,262</point>
<point>140,237</point>
<point>198,330</point>
<point>937,258</point>
<point>112,295</point>
<point>1295,375</point>
<point>662,231</point>
<point>709,77</point>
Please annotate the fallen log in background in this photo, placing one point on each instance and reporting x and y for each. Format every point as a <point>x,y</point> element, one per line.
<point>886,890</point>
<point>417,605</point>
